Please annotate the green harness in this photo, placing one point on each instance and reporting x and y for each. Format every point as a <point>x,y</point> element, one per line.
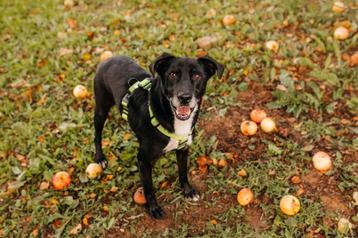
<point>146,84</point>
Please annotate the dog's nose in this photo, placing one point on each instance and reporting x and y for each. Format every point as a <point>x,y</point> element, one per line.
<point>184,98</point>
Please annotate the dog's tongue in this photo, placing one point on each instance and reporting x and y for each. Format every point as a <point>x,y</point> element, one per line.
<point>183,110</point>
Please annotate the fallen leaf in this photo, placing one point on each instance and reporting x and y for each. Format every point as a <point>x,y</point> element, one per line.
<point>75,230</point>
<point>57,223</point>
<point>86,218</point>
<point>296,179</point>
<point>90,35</point>
<point>35,231</point>
<point>71,23</point>
<point>207,42</point>
<point>242,173</point>
<point>44,185</point>
<point>65,51</point>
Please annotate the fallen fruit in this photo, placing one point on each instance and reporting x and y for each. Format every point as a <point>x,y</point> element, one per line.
<point>338,7</point>
<point>344,225</point>
<point>61,180</point>
<point>290,205</point>
<point>322,161</point>
<point>248,128</point>
<point>80,92</point>
<point>245,196</point>
<point>94,170</point>
<point>106,55</point>
<point>139,196</point>
<point>257,115</point>
<point>272,45</point>
<point>341,33</point>
<point>229,20</point>
<point>354,58</point>
<point>268,125</point>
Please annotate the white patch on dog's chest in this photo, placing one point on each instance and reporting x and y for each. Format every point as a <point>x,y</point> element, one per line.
<point>181,128</point>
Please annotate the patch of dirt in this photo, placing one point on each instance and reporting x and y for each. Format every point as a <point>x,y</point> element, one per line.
<point>255,217</point>
<point>196,215</point>
<point>325,188</point>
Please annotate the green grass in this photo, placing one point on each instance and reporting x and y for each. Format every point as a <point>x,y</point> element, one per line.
<point>44,129</point>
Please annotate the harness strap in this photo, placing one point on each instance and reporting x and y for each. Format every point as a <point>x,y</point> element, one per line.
<point>146,84</point>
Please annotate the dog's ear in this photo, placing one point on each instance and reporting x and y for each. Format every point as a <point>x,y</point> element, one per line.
<point>211,66</point>
<point>161,63</point>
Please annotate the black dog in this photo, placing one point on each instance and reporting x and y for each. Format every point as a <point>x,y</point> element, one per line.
<point>162,113</point>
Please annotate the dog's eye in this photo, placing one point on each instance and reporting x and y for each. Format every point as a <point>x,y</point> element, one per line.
<point>196,77</point>
<point>172,76</point>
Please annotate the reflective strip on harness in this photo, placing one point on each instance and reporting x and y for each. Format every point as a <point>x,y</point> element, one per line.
<point>146,84</point>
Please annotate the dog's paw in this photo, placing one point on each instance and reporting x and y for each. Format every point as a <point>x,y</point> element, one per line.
<point>192,194</point>
<point>102,161</point>
<point>156,211</point>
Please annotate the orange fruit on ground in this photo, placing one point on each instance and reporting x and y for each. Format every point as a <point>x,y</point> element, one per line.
<point>80,92</point>
<point>354,59</point>
<point>341,33</point>
<point>94,170</point>
<point>322,161</point>
<point>268,125</point>
<point>229,20</point>
<point>290,205</point>
<point>61,180</point>
<point>245,196</point>
<point>257,115</point>
<point>338,7</point>
<point>139,196</point>
<point>248,128</point>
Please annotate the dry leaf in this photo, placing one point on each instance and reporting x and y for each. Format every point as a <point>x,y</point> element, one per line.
<point>35,231</point>
<point>71,23</point>
<point>65,51</point>
<point>75,230</point>
<point>44,185</point>
<point>206,42</point>
<point>86,218</point>
<point>57,223</point>
<point>42,100</point>
<point>296,179</point>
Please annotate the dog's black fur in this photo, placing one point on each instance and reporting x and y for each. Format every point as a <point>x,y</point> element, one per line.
<point>179,77</point>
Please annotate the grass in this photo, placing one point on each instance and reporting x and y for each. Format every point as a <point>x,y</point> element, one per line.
<point>46,50</point>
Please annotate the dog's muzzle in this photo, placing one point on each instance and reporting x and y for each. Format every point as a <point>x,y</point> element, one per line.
<point>183,112</point>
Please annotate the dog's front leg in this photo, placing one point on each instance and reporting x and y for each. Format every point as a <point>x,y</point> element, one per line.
<point>182,160</point>
<point>146,162</point>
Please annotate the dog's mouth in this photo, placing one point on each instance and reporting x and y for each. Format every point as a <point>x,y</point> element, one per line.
<point>182,112</point>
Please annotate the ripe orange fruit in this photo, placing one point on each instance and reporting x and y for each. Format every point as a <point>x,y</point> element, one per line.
<point>61,180</point>
<point>290,205</point>
<point>245,196</point>
<point>139,196</point>
<point>93,170</point>
<point>322,161</point>
<point>248,128</point>
<point>257,115</point>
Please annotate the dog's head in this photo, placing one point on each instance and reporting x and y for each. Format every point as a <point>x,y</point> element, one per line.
<point>183,80</point>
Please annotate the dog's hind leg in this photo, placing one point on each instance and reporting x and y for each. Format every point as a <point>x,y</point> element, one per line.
<point>104,102</point>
